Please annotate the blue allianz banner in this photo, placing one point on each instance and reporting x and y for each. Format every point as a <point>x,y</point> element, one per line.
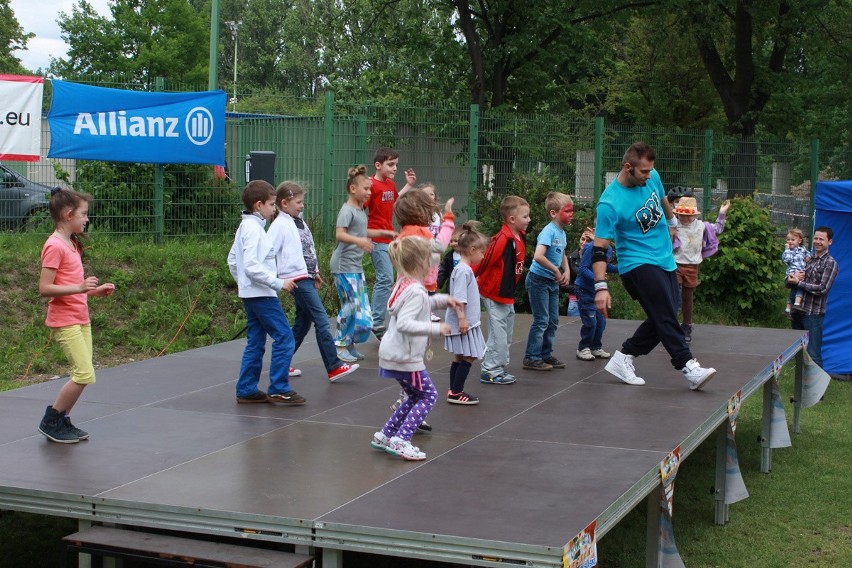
<point>96,123</point>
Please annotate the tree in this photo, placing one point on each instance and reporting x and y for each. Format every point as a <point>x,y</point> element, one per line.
<point>144,39</point>
<point>12,38</point>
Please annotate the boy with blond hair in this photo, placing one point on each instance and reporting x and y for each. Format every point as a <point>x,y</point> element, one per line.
<point>497,276</point>
<point>549,271</point>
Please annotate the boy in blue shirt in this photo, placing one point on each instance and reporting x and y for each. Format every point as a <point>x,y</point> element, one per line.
<point>548,271</point>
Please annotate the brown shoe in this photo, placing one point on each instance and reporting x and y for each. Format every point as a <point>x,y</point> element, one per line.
<point>289,397</point>
<point>253,398</point>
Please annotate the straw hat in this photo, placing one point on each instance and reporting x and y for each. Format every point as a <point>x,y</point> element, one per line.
<point>687,206</point>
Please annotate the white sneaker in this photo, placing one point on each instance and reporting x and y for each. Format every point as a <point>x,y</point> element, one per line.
<point>601,354</point>
<point>380,441</point>
<point>585,354</point>
<point>403,448</point>
<point>294,372</point>
<point>621,366</point>
<point>696,375</point>
<point>435,317</point>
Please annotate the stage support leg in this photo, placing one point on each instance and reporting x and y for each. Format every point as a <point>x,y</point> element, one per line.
<point>766,429</point>
<point>332,558</point>
<point>722,508</point>
<point>652,532</point>
<point>797,391</point>
<point>84,560</point>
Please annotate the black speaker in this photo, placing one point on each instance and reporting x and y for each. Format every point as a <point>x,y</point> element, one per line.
<point>260,164</point>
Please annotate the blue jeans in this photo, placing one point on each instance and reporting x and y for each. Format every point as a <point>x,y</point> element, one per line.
<point>544,303</point>
<point>309,309</point>
<point>813,325</point>
<point>264,316</point>
<point>384,282</point>
<point>594,322</point>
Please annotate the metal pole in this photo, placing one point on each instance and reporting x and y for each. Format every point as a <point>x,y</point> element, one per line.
<point>814,177</point>
<point>159,186</point>
<point>213,71</point>
<point>472,160</point>
<point>599,135</point>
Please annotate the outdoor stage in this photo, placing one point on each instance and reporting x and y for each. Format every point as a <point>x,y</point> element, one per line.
<point>511,480</point>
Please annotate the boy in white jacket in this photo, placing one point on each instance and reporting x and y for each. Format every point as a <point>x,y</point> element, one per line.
<point>403,346</point>
<point>252,264</point>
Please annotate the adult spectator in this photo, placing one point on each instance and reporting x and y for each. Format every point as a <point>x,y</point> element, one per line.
<point>631,212</point>
<point>815,282</point>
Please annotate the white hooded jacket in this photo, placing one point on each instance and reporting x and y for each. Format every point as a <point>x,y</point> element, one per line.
<point>409,326</point>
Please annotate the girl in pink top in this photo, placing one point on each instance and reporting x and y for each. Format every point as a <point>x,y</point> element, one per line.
<point>64,282</point>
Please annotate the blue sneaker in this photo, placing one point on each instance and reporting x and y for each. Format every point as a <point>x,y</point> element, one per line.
<point>355,353</point>
<point>498,377</point>
<point>344,355</point>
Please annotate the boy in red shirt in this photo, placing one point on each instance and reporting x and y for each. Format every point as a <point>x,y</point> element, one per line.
<point>498,275</point>
<point>383,195</point>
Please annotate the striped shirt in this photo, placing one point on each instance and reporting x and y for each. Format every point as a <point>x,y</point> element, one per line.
<point>820,273</point>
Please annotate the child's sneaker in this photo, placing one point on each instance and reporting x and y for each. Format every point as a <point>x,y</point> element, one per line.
<point>461,398</point>
<point>403,448</point>
<point>253,398</point>
<point>379,332</point>
<point>621,366</point>
<point>601,354</point>
<point>344,355</point>
<point>294,372</point>
<point>289,397</point>
<point>355,353</point>
<point>554,362</point>
<point>379,441</point>
<point>342,371</point>
<point>54,428</point>
<point>696,375</point>
<point>497,377</point>
<point>536,365</point>
<point>585,354</point>
<point>81,434</point>
<point>424,428</point>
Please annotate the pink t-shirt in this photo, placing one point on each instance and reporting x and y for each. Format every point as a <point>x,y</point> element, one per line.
<point>72,309</point>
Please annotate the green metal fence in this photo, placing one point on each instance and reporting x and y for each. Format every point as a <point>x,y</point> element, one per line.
<point>458,148</point>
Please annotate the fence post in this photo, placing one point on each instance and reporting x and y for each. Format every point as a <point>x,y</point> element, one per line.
<point>159,189</point>
<point>599,136</point>
<point>472,160</point>
<point>814,176</point>
<point>328,168</point>
<point>707,173</point>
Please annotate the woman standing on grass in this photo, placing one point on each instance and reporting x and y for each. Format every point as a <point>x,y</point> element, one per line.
<point>64,282</point>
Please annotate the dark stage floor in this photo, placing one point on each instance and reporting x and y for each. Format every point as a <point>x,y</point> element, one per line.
<point>520,474</point>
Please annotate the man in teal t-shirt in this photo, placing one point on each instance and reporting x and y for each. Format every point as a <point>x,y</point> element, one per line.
<point>633,212</point>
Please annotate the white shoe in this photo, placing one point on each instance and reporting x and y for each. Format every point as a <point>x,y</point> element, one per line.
<point>435,317</point>
<point>696,375</point>
<point>621,366</point>
<point>294,372</point>
<point>380,441</point>
<point>403,448</point>
<point>601,354</point>
<point>585,354</point>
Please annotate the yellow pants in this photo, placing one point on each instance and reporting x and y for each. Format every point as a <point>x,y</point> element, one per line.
<point>76,343</point>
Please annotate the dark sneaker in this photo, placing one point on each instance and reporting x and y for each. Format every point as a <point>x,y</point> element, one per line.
<point>81,434</point>
<point>687,331</point>
<point>379,332</point>
<point>536,365</point>
<point>554,362</point>
<point>289,397</point>
<point>253,398</point>
<point>54,428</point>
<point>461,398</point>
<point>424,428</point>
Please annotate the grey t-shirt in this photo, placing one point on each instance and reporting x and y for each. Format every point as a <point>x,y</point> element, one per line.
<point>463,287</point>
<point>346,256</point>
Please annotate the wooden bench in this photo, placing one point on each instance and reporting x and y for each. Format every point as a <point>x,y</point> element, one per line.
<point>169,550</point>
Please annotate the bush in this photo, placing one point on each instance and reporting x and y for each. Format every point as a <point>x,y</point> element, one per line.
<point>746,274</point>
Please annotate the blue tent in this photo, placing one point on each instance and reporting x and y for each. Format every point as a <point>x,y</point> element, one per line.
<point>833,208</point>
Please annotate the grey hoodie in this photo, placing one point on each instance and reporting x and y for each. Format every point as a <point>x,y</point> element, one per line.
<point>409,326</point>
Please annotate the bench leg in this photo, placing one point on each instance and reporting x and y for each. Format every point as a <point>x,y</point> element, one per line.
<point>332,558</point>
<point>84,560</point>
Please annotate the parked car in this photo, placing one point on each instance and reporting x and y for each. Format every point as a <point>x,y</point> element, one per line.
<point>23,202</point>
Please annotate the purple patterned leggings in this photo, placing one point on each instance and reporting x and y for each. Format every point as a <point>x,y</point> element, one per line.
<point>421,397</point>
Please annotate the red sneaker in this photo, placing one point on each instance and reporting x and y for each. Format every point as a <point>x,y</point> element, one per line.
<point>342,371</point>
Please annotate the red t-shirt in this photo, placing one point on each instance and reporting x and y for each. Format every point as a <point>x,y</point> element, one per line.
<point>383,195</point>
<point>72,309</point>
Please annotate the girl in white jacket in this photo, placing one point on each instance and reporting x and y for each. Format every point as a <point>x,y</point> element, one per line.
<point>406,342</point>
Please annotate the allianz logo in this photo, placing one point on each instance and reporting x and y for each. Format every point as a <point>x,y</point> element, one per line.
<point>198,125</point>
